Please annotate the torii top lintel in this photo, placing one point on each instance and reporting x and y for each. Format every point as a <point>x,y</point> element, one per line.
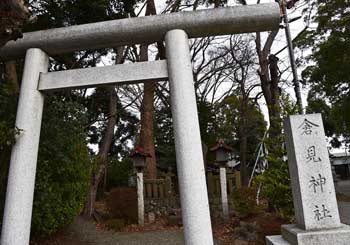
<point>201,23</point>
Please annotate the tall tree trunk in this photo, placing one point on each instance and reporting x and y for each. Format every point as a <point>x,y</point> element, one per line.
<point>13,15</point>
<point>147,122</point>
<point>11,75</point>
<point>147,111</point>
<point>101,159</point>
<point>243,137</point>
<point>274,105</point>
<point>243,142</point>
<point>269,79</point>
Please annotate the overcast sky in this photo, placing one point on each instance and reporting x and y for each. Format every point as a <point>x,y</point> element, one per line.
<point>280,42</point>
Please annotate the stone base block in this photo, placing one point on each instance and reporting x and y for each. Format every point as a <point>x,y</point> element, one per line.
<point>337,236</point>
<point>276,240</point>
<point>293,235</point>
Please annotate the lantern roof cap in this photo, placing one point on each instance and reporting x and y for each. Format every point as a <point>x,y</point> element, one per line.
<point>139,151</point>
<point>221,145</point>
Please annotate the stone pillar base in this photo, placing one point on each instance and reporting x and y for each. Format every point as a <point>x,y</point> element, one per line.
<point>276,240</point>
<point>291,234</point>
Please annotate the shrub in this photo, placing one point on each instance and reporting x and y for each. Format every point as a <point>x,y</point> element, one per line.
<point>116,224</point>
<point>118,173</point>
<point>8,101</point>
<point>276,189</point>
<point>63,168</point>
<point>244,202</point>
<point>122,203</point>
<point>63,173</point>
<point>275,181</point>
<point>245,231</point>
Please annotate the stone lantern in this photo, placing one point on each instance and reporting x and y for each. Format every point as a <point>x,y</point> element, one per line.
<point>222,152</point>
<point>222,157</point>
<point>138,156</point>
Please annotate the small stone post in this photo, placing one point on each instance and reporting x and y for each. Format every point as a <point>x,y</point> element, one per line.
<point>168,185</point>
<point>224,201</point>
<point>140,200</point>
<point>315,204</point>
<point>222,157</point>
<point>21,178</point>
<point>138,156</point>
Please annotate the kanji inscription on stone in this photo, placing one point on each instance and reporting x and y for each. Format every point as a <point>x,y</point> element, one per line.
<point>317,183</point>
<point>310,169</point>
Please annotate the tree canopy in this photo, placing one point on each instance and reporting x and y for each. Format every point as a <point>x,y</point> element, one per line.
<point>328,74</point>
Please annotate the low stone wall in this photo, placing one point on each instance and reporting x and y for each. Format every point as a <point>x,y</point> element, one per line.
<point>216,207</point>
<point>162,206</point>
<point>169,205</point>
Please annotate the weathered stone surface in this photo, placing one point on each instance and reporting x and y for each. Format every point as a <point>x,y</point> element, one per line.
<point>310,169</point>
<point>218,21</point>
<point>107,75</point>
<point>151,217</point>
<point>223,187</point>
<point>188,146</point>
<point>315,203</point>
<point>276,240</point>
<point>21,177</point>
<point>337,236</point>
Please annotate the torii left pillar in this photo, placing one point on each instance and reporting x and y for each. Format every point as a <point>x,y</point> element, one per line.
<point>21,178</point>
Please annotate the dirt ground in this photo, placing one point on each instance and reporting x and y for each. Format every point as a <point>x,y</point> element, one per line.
<point>86,232</point>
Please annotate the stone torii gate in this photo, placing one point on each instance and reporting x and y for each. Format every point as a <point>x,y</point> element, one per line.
<point>175,30</point>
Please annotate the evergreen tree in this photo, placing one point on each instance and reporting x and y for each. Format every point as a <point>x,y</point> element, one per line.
<point>63,162</point>
<point>63,166</point>
<point>329,73</point>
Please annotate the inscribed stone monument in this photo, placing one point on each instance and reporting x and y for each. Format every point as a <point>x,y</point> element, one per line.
<point>315,204</point>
